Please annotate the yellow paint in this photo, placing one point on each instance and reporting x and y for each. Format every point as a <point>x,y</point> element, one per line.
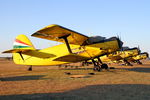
<point>52,32</point>
<point>59,54</point>
<point>140,57</point>
<point>48,55</point>
<point>119,55</point>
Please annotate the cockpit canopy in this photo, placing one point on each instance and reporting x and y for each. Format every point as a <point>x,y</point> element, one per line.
<point>127,48</point>
<point>97,39</point>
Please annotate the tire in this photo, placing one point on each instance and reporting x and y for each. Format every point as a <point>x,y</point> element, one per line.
<point>30,68</point>
<point>104,66</point>
<point>97,68</point>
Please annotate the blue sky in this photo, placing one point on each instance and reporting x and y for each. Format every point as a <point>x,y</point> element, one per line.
<point>130,19</point>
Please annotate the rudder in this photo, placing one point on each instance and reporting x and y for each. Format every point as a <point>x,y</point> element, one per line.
<point>22,42</point>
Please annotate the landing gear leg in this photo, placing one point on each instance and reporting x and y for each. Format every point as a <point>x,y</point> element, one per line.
<point>30,68</point>
<point>138,62</point>
<point>103,65</point>
<point>96,66</point>
<point>127,63</point>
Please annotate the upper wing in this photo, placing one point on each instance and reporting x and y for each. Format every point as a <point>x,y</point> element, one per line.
<point>53,32</point>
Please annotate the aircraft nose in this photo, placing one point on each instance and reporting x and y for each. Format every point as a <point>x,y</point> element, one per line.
<point>120,43</point>
<point>139,51</point>
<point>147,55</point>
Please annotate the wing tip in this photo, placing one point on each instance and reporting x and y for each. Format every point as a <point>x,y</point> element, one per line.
<point>48,26</point>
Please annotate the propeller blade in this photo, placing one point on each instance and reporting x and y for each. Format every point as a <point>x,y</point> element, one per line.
<point>120,43</point>
<point>139,51</point>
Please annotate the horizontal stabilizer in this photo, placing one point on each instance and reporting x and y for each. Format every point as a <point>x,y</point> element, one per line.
<point>29,52</point>
<point>16,50</point>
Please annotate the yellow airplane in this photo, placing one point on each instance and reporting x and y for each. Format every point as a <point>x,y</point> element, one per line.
<point>121,56</point>
<point>139,57</point>
<point>76,47</point>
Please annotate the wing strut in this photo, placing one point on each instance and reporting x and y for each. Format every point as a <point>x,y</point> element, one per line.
<point>66,42</point>
<point>21,56</point>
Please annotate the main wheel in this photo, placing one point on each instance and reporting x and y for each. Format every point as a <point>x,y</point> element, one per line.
<point>104,66</point>
<point>97,68</point>
<point>129,64</point>
<point>138,62</point>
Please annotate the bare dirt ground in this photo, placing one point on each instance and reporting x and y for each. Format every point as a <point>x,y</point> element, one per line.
<point>53,83</point>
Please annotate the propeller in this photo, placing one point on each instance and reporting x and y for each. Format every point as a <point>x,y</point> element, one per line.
<point>120,43</point>
<point>139,51</point>
<point>146,54</point>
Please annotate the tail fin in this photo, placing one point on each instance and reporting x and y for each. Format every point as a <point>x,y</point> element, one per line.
<point>21,44</point>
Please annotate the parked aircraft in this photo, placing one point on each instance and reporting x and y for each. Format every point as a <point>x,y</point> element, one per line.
<point>137,58</point>
<point>122,55</point>
<point>76,47</point>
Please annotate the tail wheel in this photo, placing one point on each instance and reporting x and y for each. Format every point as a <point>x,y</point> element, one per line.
<point>30,68</point>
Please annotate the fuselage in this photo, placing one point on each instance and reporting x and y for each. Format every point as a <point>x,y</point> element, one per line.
<point>47,56</point>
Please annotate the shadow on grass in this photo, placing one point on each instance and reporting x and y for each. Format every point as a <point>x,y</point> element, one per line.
<point>22,78</point>
<point>147,70</point>
<point>137,69</point>
<point>142,68</point>
<point>76,69</point>
<point>92,92</point>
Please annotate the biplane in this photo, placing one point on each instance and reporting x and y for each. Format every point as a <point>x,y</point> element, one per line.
<point>76,47</point>
<point>137,58</point>
<point>124,55</point>
<point>121,56</point>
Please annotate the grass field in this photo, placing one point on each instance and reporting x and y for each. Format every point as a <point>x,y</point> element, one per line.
<point>51,83</point>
